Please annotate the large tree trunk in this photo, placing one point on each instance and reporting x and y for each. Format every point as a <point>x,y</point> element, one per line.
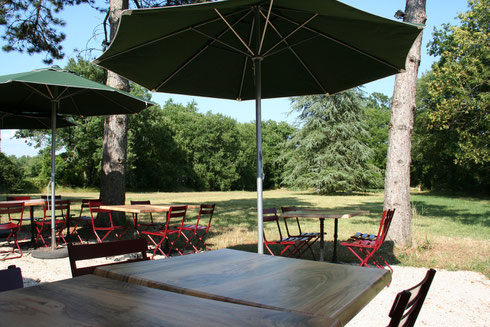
<point>113,176</point>
<point>397,181</point>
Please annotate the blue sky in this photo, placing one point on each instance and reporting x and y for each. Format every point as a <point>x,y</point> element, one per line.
<point>84,30</point>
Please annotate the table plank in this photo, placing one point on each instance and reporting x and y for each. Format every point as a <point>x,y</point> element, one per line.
<point>96,301</point>
<point>323,289</point>
<point>321,213</point>
<point>142,208</point>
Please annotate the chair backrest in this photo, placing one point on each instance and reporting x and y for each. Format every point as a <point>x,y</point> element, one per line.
<point>142,202</point>
<point>270,214</point>
<point>290,209</point>
<point>94,206</point>
<point>85,205</point>
<point>206,211</point>
<point>408,303</point>
<point>176,217</point>
<point>100,250</point>
<point>11,279</point>
<point>384,226</point>
<point>18,198</point>
<point>13,211</point>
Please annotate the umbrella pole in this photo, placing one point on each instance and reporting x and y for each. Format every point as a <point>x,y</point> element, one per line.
<point>258,123</point>
<point>54,105</point>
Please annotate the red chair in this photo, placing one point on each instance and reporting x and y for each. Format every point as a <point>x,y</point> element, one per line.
<point>206,211</point>
<point>408,303</point>
<point>313,235</point>
<point>147,225</point>
<point>365,246</point>
<point>83,220</point>
<point>100,250</point>
<point>14,211</point>
<point>95,210</point>
<point>43,226</point>
<point>20,198</point>
<point>11,279</point>
<point>292,246</point>
<point>173,228</point>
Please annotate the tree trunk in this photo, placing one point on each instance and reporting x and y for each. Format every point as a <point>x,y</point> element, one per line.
<point>397,181</point>
<point>113,176</point>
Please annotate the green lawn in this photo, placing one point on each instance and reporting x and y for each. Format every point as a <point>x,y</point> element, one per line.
<point>448,232</point>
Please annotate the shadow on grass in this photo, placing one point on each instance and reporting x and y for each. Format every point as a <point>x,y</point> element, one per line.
<point>343,254</point>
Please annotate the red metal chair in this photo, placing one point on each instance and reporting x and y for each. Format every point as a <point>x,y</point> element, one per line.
<point>20,198</point>
<point>408,303</point>
<point>147,225</point>
<point>292,246</point>
<point>83,219</point>
<point>107,249</point>
<point>313,235</point>
<point>11,279</point>
<point>173,228</point>
<point>365,246</point>
<point>43,226</point>
<point>206,211</point>
<point>14,211</point>
<point>95,210</point>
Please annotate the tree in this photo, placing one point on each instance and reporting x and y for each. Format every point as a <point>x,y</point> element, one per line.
<point>11,179</point>
<point>327,152</point>
<point>397,180</point>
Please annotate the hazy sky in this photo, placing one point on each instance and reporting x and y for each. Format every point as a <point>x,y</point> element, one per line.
<point>82,23</point>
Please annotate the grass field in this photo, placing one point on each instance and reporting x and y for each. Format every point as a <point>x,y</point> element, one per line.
<point>448,232</point>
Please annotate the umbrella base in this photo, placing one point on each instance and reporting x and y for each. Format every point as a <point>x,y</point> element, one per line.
<point>48,253</point>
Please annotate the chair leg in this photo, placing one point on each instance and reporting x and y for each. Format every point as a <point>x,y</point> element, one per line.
<point>157,246</point>
<point>14,236</point>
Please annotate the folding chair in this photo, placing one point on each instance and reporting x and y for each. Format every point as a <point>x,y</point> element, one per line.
<point>292,246</point>
<point>11,279</point>
<point>365,246</point>
<point>83,220</point>
<point>147,225</point>
<point>20,198</point>
<point>95,210</point>
<point>43,226</point>
<point>206,211</point>
<point>408,303</point>
<point>173,227</point>
<point>108,249</point>
<point>14,212</point>
<point>313,235</point>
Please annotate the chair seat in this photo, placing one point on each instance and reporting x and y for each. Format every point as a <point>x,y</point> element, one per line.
<point>82,218</point>
<point>8,226</point>
<point>110,228</point>
<point>364,236</point>
<point>360,243</point>
<point>48,222</point>
<point>294,239</point>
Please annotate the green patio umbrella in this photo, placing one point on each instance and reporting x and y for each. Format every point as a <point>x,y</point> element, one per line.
<point>53,91</point>
<point>31,121</point>
<point>254,49</point>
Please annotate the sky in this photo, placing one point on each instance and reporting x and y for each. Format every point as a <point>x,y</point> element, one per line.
<point>83,30</point>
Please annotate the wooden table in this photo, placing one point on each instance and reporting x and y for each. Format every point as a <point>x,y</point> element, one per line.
<point>30,204</point>
<point>143,208</point>
<point>321,214</point>
<point>276,283</point>
<point>96,301</point>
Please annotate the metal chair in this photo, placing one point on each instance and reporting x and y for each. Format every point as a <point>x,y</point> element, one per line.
<point>408,303</point>
<point>83,220</point>
<point>314,235</point>
<point>95,210</point>
<point>107,249</point>
<point>365,246</point>
<point>14,212</point>
<point>147,225</point>
<point>173,227</point>
<point>206,211</point>
<point>43,226</point>
<point>292,246</point>
<point>11,279</point>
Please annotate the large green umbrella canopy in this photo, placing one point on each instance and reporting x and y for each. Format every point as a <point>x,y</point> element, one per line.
<point>254,49</point>
<point>31,121</point>
<point>52,91</point>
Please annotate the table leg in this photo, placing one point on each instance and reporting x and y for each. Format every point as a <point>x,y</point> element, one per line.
<point>335,234</point>
<point>33,229</point>
<point>322,241</point>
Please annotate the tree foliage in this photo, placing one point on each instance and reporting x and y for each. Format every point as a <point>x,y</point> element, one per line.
<point>10,175</point>
<point>327,152</point>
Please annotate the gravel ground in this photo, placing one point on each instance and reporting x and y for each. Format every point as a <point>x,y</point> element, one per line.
<point>459,298</point>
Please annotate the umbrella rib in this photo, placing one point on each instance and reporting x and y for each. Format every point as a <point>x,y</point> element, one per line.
<point>203,49</point>
<point>364,53</point>
<point>289,35</point>
<point>234,32</point>
<point>245,63</point>
<point>221,42</point>
<point>299,58</point>
<point>267,22</point>
<point>37,91</point>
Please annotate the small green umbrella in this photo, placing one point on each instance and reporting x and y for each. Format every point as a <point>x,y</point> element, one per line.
<point>52,91</point>
<point>254,49</point>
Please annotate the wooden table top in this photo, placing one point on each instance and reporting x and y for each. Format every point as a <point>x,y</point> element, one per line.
<point>323,213</point>
<point>279,283</point>
<point>96,301</point>
<point>143,208</point>
<point>27,203</point>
